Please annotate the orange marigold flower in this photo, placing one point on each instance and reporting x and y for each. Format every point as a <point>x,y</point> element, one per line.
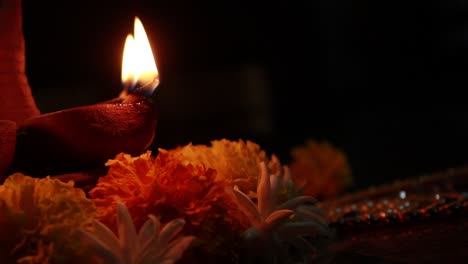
<point>320,169</point>
<point>162,186</point>
<point>38,216</point>
<point>235,161</point>
<point>167,188</point>
<point>130,180</point>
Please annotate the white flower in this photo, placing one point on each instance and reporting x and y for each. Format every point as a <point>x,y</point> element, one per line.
<point>278,228</point>
<point>150,245</point>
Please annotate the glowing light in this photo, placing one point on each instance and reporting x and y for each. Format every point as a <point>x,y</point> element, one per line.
<point>402,194</point>
<point>139,69</point>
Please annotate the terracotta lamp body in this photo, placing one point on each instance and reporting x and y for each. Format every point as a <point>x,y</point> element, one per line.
<point>64,141</point>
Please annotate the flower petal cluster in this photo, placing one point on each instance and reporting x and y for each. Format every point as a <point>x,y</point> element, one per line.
<point>38,215</point>
<point>161,186</point>
<point>275,228</point>
<point>235,161</point>
<point>164,186</point>
<point>152,244</point>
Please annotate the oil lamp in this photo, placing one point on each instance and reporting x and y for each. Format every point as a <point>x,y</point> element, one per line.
<point>86,137</point>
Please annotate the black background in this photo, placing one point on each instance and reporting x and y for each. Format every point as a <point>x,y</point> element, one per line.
<point>382,80</point>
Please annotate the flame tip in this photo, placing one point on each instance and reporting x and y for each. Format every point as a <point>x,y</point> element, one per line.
<point>138,64</point>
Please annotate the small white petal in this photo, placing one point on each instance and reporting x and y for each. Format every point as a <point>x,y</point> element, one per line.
<point>127,233</point>
<point>100,248</point>
<point>265,200</point>
<point>177,248</point>
<point>245,205</point>
<point>313,216</point>
<point>171,230</point>
<point>149,230</point>
<point>287,175</point>
<point>295,202</point>
<point>106,236</point>
<point>276,182</point>
<point>278,217</point>
<point>159,244</point>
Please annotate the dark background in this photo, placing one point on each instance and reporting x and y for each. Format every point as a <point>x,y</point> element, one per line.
<point>382,80</point>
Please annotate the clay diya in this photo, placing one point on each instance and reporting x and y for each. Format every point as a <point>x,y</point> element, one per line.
<point>78,138</point>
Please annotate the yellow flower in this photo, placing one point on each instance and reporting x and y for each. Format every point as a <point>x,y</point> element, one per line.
<point>39,215</point>
<point>320,169</point>
<point>235,161</point>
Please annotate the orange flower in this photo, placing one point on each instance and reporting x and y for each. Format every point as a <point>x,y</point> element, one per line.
<point>130,180</point>
<point>235,161</point>
<point>320,170</point>
<point>167,188</point>
<point>163,186</point>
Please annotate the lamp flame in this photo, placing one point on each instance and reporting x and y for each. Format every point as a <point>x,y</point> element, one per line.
<point>138,65</point>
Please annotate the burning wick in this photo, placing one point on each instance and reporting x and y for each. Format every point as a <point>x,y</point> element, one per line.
<point>139,72</point>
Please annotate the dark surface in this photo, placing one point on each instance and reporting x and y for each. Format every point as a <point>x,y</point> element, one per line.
<point>429,229</point>
<point>380,79</point>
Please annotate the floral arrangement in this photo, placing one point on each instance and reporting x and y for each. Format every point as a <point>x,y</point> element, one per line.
<point>228,202</point>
